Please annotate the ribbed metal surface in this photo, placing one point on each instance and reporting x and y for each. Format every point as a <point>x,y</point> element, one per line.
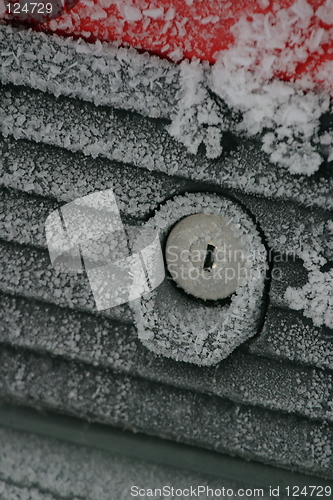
<point>271,400</point>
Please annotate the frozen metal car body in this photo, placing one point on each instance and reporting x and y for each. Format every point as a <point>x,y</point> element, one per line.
<point>63,138</point>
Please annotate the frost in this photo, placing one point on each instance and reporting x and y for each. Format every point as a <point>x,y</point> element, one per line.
<point>100,73</point>
<point>238,94</point>
<point>315,298</point>
<point>198,118</point>
<point>203,335</point>
<point>153,13</point>
<point>325,13</point>
<point>176,55</point>
<point>284,114</point>
<point>131,13</point>
<point>170,14</point>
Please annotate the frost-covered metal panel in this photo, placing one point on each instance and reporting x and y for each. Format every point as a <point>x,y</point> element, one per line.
<point>274,388</point>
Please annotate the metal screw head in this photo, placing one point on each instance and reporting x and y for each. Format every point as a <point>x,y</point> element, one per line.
<point>204,256</point>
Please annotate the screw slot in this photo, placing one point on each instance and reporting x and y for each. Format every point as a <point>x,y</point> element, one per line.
<point>209,260</point>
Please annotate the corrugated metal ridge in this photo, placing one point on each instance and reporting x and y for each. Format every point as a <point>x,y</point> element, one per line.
<point>286,335</point>
<point>27,270</point>
<point>158,409</point>
<point>271,399</point>
<point>39,279</point>
<point>97,455</point>
<point>244,378</point>
<point>59,176</point>
<point>124,79</point>
<point>113,72</point>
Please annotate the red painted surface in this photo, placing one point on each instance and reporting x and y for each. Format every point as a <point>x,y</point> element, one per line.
<point>192,28</point>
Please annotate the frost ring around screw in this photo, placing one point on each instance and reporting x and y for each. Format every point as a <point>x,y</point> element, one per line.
<point>170,324</point>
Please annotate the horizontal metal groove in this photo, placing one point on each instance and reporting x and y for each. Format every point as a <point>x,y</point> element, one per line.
<point>158,409</point>
<point>45,199</point>
<point>21,205</point>
<point>53,171</point>
<point>22,149</point>
<point>48,425</point>
<point>277,340</point>
<point>153,95</point>
<point>147,145</point>
<point>243,378</point>
<point>289,335</point>
<point>25,488</point>
<point>23,216</point>
<point>28,272</point>
<point>51,309</point>
<point>23,266</point>
<point>272,399</point>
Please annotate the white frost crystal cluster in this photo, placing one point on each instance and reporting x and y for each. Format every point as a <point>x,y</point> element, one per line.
<point>315,298</point>
<point>286,117</point>
<point>198,118</point>
<point>284,114</point>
